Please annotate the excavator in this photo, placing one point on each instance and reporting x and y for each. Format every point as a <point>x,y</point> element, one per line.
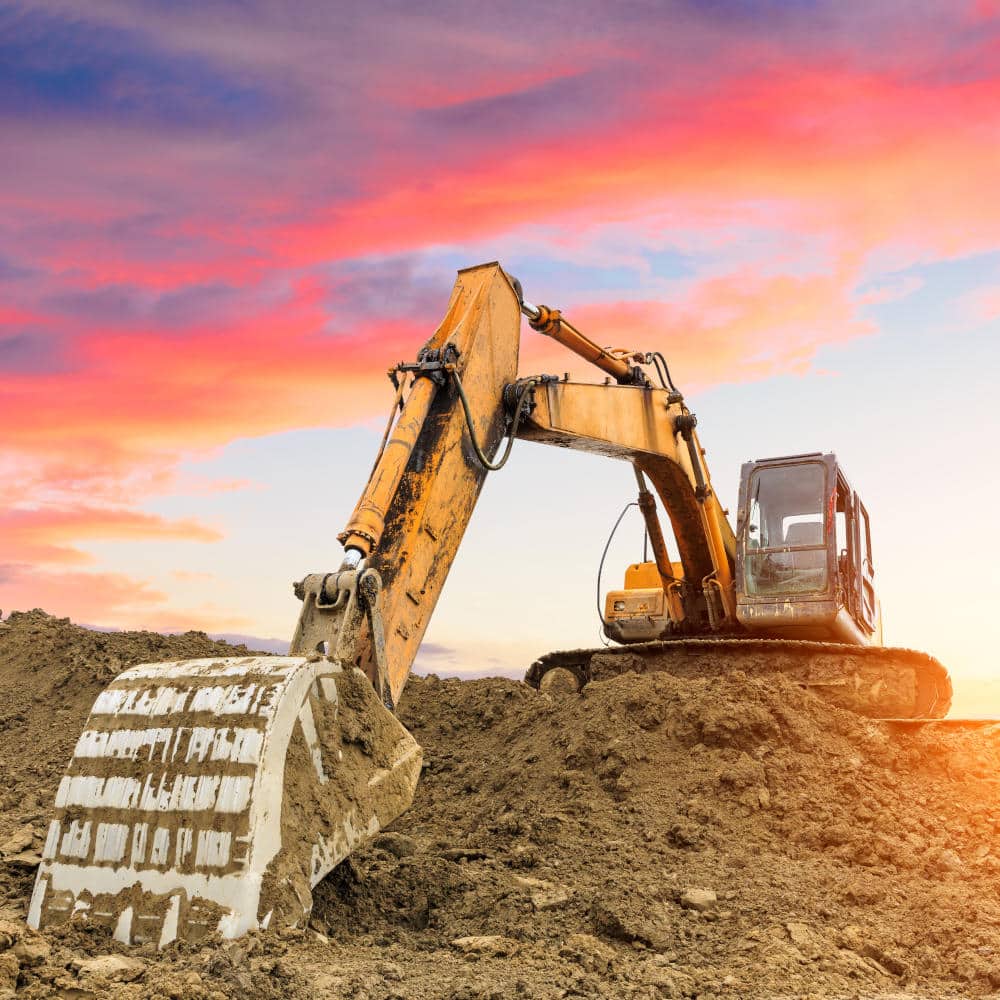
<point>211,796</point>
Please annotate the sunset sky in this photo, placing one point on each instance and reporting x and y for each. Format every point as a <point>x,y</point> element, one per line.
<point>221,222</point>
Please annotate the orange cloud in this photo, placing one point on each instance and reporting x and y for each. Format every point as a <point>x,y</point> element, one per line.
<point>101,598</point>
<point>143,393</point>
<point>50,535</point>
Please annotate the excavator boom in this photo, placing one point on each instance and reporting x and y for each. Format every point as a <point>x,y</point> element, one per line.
<point>464,397</point>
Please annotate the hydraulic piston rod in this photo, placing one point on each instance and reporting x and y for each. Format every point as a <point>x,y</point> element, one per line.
<point>552,323</point>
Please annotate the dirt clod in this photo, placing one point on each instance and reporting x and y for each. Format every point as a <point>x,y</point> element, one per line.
<point>701,900</point>
<point>113,968</point>
<point>485,944</point>
<point>397,844</point>
<point>32,951</point>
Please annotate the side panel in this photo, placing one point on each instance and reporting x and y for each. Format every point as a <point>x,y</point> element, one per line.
<point>439,488</point>
<point>869,602</point>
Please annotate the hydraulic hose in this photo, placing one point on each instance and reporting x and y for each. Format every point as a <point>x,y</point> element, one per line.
<point>604,555</point>
<point>522,392</point>
<point>665,379</point>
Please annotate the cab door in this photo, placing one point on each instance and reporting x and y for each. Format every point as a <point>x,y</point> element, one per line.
<point>847,547</point>
<point>869,604</point>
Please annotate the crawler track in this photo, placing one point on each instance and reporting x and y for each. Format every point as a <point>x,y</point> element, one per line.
<point>986,726</point>
<point>879,682</point>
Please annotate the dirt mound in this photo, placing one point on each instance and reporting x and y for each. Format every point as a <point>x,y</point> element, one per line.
<point>652,837</point>
<point>731,832</point>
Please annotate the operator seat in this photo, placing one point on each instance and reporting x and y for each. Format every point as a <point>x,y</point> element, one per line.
<point>807,533</point>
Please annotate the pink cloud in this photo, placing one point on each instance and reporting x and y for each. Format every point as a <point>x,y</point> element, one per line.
<point>106,599</point>
<point>983,305</point>
<point>737,327</point>
<point>51,535</point>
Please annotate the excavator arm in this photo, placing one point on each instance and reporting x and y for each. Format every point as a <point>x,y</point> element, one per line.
<point>652,429</point>
<point>463,398</point>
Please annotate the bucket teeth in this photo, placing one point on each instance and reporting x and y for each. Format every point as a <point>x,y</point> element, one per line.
<point>213,795</point>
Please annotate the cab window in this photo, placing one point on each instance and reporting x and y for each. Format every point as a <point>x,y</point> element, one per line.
<point>785,539</point>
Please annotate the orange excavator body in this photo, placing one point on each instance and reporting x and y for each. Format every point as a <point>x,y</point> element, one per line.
<point>213,795</point>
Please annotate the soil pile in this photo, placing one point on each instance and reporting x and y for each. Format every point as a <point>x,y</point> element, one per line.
<point>651,837</point>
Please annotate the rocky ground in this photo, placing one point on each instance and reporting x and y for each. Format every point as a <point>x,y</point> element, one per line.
<point>652,837</point>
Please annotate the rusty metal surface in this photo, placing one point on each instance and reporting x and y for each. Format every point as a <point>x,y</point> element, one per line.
<point>429,509</point>
<point>367,523</point>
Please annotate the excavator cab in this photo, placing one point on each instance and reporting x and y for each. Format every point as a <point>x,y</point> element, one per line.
<point>804,564</point>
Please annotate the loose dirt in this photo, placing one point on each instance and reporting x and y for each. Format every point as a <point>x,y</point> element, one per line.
<point>652,837</point>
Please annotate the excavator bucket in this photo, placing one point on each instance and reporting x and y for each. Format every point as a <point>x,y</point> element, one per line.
<point>213,795</point>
